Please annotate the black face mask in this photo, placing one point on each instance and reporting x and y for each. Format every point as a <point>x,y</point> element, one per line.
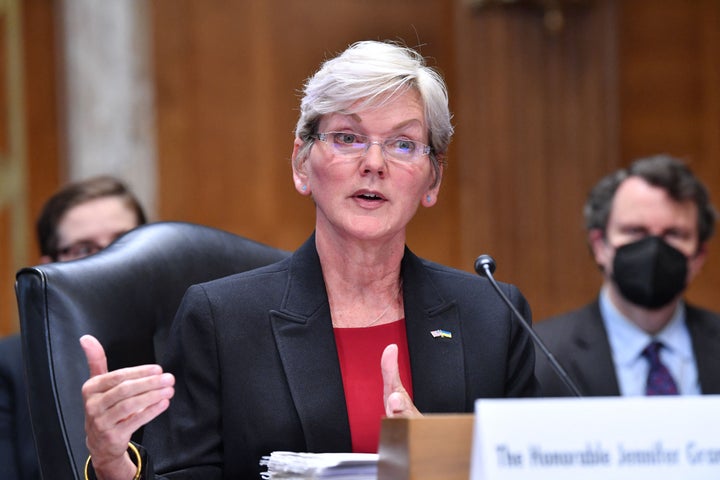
<point>649,272</point>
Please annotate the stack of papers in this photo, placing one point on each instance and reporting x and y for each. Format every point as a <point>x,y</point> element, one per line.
<point>309,466</point>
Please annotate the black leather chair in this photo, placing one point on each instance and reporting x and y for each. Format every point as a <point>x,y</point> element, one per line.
<point>126,296</point>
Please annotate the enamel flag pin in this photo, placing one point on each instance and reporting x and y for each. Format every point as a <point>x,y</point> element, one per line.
<point>441,334</point>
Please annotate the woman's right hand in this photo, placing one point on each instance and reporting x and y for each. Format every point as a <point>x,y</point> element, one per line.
<point>116,404</point>
<point>396,399</point>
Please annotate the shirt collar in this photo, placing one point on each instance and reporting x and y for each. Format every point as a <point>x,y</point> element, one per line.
<point>627,340</point>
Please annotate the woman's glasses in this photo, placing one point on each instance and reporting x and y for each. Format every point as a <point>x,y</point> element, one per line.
<point>354,145</point>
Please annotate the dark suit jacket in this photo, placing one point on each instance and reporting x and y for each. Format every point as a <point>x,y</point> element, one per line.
<point>257,368</point>
<point>18,459</point>
<point>579,342</point>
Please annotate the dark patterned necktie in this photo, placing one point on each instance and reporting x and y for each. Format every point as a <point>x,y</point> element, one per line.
<point>659,381</point>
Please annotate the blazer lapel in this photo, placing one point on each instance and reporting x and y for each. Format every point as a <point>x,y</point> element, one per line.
<point>592,365</point>
<point>436,361</point>
<point>306,345</point>
<point>705,334</point>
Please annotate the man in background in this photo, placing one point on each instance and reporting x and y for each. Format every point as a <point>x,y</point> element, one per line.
<point>79,220</point>
<point>648,228</point>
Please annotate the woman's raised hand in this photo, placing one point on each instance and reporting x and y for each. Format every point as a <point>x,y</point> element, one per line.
<point>116,404</point>
<point>396,399</point>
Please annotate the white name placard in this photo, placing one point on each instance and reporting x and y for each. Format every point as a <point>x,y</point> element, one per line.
<point>618,438</point>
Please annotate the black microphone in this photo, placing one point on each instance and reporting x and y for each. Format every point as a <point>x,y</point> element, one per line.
<point>485,267</point>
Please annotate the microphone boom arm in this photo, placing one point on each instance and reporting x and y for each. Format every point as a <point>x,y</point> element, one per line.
<point>485,266</point>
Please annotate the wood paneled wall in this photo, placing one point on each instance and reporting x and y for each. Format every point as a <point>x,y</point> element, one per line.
<point>41,159</point>
<point>540,117</point>
<point>536,129</point>
<point>44,156</point>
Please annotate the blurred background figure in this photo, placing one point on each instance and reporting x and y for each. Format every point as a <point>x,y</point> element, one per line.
<point>648,228</point>
<point>81,219</point>
<point>85,217</point>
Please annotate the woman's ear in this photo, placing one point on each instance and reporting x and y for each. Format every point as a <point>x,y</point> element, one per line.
<point>300,177</point>
<point>431,196</point>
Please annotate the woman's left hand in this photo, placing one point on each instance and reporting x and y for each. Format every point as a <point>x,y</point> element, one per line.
<point>396,399</point>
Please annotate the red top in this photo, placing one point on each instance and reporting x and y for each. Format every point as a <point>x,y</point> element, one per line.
<point>359,351</point>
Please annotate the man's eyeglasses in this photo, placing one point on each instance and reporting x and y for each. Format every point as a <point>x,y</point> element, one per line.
<point>77,250</point>
<point>354,145</point>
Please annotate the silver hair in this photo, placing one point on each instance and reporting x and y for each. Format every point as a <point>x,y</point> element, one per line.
<point>368,74</point>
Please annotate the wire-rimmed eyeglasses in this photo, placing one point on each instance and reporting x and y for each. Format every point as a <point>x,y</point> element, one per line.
<point>355,145</point>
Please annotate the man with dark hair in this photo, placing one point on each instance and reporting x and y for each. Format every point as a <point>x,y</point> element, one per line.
<point>79,220</point>
<point>647,228</point>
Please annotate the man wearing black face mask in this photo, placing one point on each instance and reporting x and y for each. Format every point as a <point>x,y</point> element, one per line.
<point>648,228</point>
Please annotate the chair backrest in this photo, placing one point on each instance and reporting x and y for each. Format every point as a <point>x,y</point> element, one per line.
<point>126,296</point>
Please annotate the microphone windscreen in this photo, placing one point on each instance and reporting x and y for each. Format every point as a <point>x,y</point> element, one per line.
<point>482,262</point>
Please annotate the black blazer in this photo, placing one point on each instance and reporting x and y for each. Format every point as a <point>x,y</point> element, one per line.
<point>579,342</point>
<point>18,458</point>
<point>257,368</point>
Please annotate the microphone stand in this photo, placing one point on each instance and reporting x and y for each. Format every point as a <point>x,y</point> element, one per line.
<point>485,266</point>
